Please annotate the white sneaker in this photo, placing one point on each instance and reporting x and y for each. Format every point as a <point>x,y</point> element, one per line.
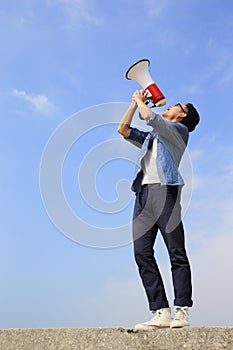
<point>162,319</point>
<point>181,317</point>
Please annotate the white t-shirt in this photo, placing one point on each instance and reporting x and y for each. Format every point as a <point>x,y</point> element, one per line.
<point>150,172</point>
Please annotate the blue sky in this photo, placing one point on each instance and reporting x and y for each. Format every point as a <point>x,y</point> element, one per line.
<point>64,61</point>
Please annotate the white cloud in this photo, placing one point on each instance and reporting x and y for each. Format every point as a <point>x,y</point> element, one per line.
<point>213,284</point>
<point>124,303</point>
<point>40,102</point>
<point>219,69</point>
<point>209,230</point>
<point>155,8</point>
<point>77,10</point>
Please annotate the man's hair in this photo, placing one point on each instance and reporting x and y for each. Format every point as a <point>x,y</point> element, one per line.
<point>192,118</point>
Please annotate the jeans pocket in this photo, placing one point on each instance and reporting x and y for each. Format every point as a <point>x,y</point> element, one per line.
<point>140,201</point>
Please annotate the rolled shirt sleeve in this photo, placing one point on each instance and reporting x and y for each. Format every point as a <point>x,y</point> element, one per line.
<point>137,137</point>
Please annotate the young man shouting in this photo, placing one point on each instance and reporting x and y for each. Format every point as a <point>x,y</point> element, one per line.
<point>158,185</point>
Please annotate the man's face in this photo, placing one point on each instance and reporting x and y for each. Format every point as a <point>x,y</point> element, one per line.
<point>175,113</point>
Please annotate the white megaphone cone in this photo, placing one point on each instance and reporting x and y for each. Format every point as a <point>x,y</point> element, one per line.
<point>139,72</point>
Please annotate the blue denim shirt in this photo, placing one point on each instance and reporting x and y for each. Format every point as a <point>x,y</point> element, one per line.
<point>172,140</point>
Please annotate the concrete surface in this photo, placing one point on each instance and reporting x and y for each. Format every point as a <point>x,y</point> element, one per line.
<point>190,338</point>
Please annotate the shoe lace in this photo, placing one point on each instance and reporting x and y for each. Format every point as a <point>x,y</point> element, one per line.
<point>158,313</point>
<point>180,313</point>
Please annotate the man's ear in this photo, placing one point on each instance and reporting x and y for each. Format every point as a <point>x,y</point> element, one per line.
<point>181,116</point>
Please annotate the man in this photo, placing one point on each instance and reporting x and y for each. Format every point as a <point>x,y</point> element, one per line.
<point>158,186</point>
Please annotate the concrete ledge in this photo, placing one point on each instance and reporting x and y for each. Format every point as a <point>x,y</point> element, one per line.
<point>190,338</point>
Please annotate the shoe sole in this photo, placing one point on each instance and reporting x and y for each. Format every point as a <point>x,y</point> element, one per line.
<point>151,328</point>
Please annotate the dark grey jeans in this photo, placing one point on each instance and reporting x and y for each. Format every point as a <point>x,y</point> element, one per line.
<point>158,208</point>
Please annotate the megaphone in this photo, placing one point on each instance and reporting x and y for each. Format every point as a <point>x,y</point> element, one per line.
<point>139,72</point>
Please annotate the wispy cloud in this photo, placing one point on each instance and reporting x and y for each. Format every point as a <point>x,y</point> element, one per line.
<point>156,8</point>
<point>226,77</point>
<point>77,10</point>
<point>40,102</point>
<point>211,270</point>
<point>217,70</point>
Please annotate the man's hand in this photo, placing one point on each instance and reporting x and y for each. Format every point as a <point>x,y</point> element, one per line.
<point>139,96</point>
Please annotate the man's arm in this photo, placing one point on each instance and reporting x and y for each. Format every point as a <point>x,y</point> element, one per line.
<point>138,99</point>
<point>133,135</point>
<point>124,125</point>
